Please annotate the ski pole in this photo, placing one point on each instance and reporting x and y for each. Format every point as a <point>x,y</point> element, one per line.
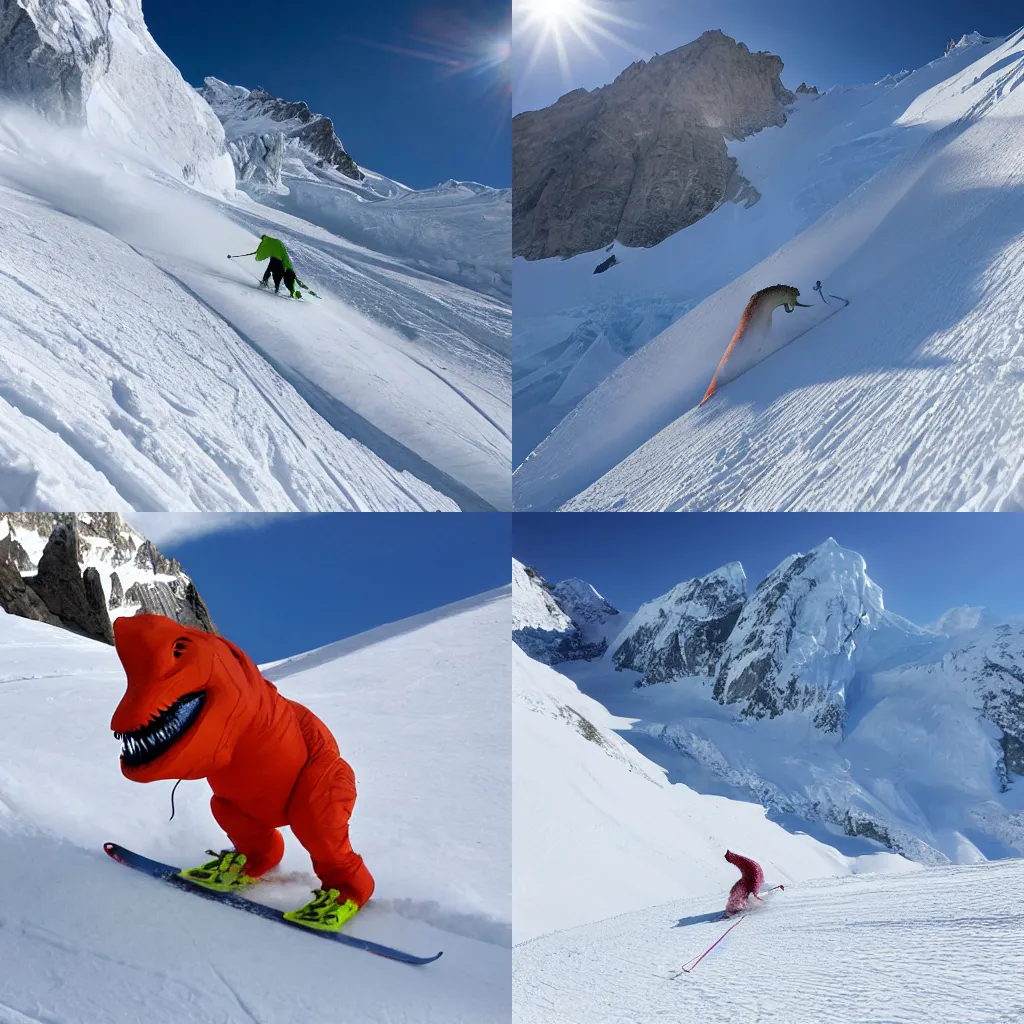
<point>691,965</point>
<point>241,254</point>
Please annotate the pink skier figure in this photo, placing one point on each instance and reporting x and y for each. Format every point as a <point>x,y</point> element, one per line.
<point>749,884</point>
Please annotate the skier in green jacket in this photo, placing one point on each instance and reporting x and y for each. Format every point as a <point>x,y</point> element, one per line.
<point>280,265</point>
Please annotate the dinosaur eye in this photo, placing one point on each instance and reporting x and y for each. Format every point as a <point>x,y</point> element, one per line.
<point>181,645</point>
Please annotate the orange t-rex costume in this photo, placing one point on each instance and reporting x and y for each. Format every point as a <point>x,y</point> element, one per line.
<point>197,707</point>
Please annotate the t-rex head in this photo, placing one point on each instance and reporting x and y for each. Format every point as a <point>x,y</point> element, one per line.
<point>780,295</point>
<point>190,697</point>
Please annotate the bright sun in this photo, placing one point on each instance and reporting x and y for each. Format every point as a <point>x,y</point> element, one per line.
<point>555,12</point>
<point>558,21</point>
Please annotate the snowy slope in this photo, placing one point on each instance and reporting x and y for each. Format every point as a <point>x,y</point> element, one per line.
<point>422,720</point>
<point>600,831</point>
<point>910,398</point>
<point>943,945</point>
<point>144,370</point>
<point>458,231</point>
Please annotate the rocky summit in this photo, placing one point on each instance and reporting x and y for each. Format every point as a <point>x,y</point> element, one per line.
<point>81,570</point>
<point>643,157</point>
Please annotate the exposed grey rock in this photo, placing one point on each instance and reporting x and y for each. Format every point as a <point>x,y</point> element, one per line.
<point>641,158</point>
<point>606,264</point>
<point>803,89</point>
<point>684,632</point>
<point>18,599</point>
<point>60,584</point>
<point>13,554</point>
<point>175,600</point>
<point>75,598</point>
<point>148,557</point>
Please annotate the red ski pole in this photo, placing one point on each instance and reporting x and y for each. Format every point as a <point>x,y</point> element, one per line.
<point>691,965</point>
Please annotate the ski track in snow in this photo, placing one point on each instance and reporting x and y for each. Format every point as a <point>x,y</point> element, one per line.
<point>143,371</point>
<point>943,945</point>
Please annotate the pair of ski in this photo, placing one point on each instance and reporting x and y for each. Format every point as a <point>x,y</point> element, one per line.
<point>691,964</point>
<point>172,875</point>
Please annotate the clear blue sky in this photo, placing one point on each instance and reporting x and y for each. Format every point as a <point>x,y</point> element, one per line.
<point>924,562</point>
<point>823,43</point>
<point>301,581</point>
<point>385,71</point>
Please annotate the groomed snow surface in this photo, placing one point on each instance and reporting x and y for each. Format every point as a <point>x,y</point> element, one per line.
<point>621,879</point>
<point>420,714</point>
<point>143,371</point>
<point>944,945</point>
<point>903,197</point>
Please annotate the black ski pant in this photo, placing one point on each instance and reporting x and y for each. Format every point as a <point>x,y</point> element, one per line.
<point>277,268</point>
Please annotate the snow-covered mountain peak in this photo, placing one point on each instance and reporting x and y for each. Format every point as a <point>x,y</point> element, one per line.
<point>583,604</point>
<point>551,624</point>
<point>975,39</point>
<point>684,632</point>
<point>964,618</point>
<point>793,647</point>
<point>263,132</point>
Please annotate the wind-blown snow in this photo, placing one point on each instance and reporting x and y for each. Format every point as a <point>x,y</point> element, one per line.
<point>144,371</point>
<point>423,722</point>
<point>901,197</point>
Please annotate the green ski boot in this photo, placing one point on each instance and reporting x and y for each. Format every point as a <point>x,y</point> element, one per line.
<point>222,874</point>
<point>324,912</point>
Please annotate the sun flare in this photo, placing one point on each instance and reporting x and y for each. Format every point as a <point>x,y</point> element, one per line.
<point>560,22</point>
<point>555,12</point>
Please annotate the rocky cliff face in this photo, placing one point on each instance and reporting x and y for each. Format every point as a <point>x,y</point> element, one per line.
<point>82,570</point>
<point>93,63</point>
<point>559,623</point>
<point>641,158</point>
<point>264,131</point>
<point>684,632</point>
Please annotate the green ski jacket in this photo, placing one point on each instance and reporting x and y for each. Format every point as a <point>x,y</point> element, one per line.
<point>273,247</point>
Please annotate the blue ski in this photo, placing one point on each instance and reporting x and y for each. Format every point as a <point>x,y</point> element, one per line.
<point>171,874</point>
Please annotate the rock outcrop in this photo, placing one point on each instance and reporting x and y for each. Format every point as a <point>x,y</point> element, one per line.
<point>74,597</point>
<point>793,645</point>
<point>70,570</point>
<point>684,632</point>
<point>641,158</point>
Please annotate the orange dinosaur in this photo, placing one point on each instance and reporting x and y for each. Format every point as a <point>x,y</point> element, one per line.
<point>754,324</point>
<point>197,707</point>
